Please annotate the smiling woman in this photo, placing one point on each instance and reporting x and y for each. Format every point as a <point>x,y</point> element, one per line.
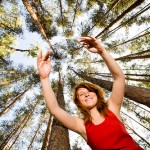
<point>101,118</point>
<point>89,95</point>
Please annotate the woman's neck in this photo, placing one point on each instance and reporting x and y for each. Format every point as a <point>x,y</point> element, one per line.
<point>94,113</point>
<point>96,116</point>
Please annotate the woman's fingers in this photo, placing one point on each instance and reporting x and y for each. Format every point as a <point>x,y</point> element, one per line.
<point>89,40</point>
<point>83,39</point>
<point>41,60</point>
<point>91,37</point>
<point>46,56</point>
<point>39,57</point>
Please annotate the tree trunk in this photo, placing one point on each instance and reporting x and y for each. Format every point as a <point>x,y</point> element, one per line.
<point>132,39</point>
<point>59,139</point>
<point>75,12</point>
<point>127,78</point>
<point>138,55</point>
<point>133,6</point>
<point>27,119</point>
<point>4,144</point>
<point>127,74</point>
<point>35,19</point>
<point>105,15</point>
<point>138,135</point>
<point>61,12</point>
<point>135,121</point>
<point>47,134</point>
<point>126,22</point>
<point>137,94</point>
<point>15,99</point>
<point>42,118</point>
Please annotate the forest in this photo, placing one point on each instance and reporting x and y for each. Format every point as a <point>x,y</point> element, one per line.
<point>26,26</point>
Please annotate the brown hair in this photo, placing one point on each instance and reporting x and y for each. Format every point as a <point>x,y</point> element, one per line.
<point>101,104</point>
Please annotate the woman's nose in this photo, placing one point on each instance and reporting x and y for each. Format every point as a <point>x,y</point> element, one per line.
<point>87,94</point>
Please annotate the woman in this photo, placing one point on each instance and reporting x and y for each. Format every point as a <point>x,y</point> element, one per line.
<point>101,125</point>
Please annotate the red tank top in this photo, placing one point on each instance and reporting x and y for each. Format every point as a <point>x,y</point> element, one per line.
<point>110,135</point>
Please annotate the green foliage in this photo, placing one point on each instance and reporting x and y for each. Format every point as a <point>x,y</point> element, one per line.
<point>33,51</point>
<point>68,33</point>
<point>11,24</point>
<point>6,41</point>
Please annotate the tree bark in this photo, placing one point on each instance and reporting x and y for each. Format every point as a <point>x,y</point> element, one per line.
<point>127,78</point>
<point>133,6</point>
<point>35,19</point>
<point>27,119</point>
<point>127,74</point>
<point>130,56</point>
<point>14,100</point>
<point>47,134</point>
<point>138,135</point>
<point>132,39</point>
<point>19,124</point>
<point>61,12</point>
<point>59,139</point>
<point>126,22</point>
<point>37,130</point>
<point>135,121</point>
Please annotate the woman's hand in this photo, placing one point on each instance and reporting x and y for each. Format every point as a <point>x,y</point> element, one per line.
<point>43,64</point>
<point>91,44</point>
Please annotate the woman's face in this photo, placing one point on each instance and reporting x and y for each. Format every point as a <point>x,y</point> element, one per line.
<point>87,98</point>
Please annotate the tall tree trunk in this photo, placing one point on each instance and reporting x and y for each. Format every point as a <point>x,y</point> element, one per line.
<point>138,134</point>
<point>136,121</point>
<point>127,74</point>
<point>47,134</point>
<point>42,118</point>
<point>27,119</point>
<point>14,100</point>
<point>138,55</point>
<point>133,6</point>
<point>19,124</point>
<point>59,139</point>
<point>61,12</point>
<point>127,78</point>
<point>105,15</point>
<point>35,19</point>
<point>132,39</point>
<point>75,12</point>
<point>137,94</point>
<point>126,22</point>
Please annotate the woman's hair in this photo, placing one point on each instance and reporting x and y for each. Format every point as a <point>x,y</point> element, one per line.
<point>101,104</point>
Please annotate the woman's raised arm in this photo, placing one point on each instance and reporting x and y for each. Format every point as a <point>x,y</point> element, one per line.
<point>116,97</point>
<point>44,68</point>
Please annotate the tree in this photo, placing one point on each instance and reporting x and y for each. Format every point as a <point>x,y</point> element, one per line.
<point>59,138</point>
<point>36,20</point>
<point>47,134</point>
<point>133,6</point>
<point>18,126</point>
<point>11,25</point>
<point>14,100</point>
